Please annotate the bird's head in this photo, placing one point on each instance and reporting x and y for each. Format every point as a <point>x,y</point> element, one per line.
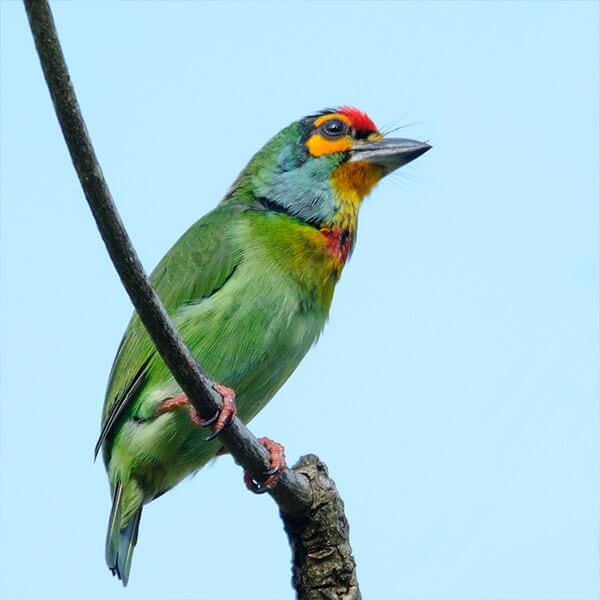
<point>320,168</point>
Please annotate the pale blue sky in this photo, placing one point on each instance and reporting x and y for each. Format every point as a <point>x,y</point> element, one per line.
<point>454,393</point>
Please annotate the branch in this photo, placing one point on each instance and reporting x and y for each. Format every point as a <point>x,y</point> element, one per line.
<point>323,567</point>
<point>298,490</point>
<point>245,448</point>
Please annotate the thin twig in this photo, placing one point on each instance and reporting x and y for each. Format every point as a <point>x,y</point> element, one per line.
<point>297,492</point>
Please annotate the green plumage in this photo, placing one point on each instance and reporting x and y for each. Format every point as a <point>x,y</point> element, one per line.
<point>231,293</point>
<point>249,287</point>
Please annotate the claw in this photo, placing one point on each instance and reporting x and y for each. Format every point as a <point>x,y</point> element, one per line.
<point>278,466</point>
<point>199,421</point>
<point>223,417</point>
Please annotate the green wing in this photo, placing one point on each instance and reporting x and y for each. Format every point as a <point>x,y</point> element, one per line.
<point>197,266</point>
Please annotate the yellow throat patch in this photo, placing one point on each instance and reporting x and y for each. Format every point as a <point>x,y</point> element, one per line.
<point>352,182</point>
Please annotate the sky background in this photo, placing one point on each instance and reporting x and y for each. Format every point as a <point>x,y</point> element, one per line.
<point>454,393</point>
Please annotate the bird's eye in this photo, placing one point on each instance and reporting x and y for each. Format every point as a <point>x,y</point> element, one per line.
<point>334,128</point>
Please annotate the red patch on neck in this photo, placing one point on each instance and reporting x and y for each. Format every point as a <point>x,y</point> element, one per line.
<point>360,120</point>
<point>339,242</point>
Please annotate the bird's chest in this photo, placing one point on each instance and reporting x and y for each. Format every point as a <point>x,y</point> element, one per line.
<point>309,258</point>
<point>266,326</point>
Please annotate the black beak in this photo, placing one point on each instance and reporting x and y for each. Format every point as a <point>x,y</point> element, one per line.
<point>390,153</point>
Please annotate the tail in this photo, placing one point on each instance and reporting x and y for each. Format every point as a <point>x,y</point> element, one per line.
<point>121,540</point>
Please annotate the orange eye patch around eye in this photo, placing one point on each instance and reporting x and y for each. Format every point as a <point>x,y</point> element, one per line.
<point>339,116</point>
<point>318,146</point>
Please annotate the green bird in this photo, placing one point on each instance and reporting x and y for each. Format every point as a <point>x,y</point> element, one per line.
<point>249,287</point>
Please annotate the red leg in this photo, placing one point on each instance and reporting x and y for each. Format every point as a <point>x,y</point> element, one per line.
<point>172,404</point>
<point>277,467</point>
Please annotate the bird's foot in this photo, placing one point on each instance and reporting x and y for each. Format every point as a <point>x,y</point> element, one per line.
<point>223,417</point>
<point>277,467</point>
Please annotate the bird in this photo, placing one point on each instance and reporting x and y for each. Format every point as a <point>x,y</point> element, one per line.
<point>249,287</point>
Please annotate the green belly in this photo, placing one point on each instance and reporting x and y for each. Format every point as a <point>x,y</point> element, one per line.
<point>250,336</point>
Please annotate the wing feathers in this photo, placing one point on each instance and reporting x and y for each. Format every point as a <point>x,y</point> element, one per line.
<point>117,407</point>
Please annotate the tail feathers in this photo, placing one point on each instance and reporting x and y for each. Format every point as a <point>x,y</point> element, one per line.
<point>120,541</point>
<point>127,542</point>
<point>112,533</point>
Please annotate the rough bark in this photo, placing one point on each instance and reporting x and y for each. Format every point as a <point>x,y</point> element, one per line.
<point>323,567</point>
<point>310,507</point>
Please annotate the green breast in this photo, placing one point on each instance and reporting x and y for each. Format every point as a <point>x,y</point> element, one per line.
<point>253,332</point>
<point>249,333</point>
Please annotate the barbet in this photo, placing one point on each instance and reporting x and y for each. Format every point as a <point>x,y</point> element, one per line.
<point>249,287</point>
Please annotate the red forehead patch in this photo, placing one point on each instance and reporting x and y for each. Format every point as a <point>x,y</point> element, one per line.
<point>360,120</point>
